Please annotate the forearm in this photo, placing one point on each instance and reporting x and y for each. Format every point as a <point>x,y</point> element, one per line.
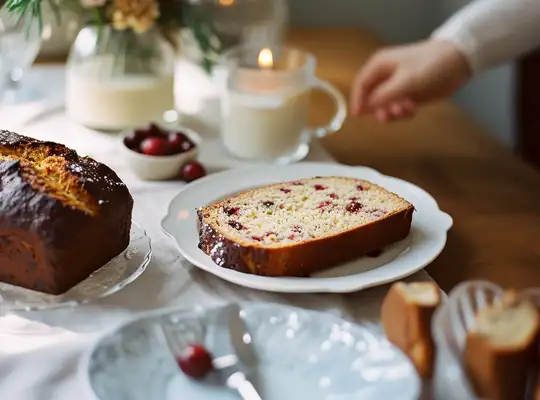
<point>490,32</point>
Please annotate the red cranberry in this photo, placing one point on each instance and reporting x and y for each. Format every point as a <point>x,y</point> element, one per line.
<point>195,361</point>
<point>236,225</point>
<point>153,146</point>
<point>359,187</point>
<point>324,204</point>
<point>353,207</point>
<point>230,210</point>
<point>333,196</point>
<point>155,131</point>
<point>179,143</point>
<point>297,183</point>
<point>257,238</point>
<point>285,190</point>
<point>133,141</point>
<point>319,187</point>
<point>291,236</point>
<point>192,171</point>
<point>270,234</point>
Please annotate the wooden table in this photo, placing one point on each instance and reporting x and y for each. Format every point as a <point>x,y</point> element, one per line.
<point>493,197</point>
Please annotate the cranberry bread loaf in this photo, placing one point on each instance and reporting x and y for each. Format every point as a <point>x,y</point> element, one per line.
<point>301,227</point>
<point>61,216</point>
<point>406,316</point>
<point>501,350</point>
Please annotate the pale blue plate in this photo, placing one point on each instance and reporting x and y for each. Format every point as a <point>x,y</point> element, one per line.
<point>301,355</point>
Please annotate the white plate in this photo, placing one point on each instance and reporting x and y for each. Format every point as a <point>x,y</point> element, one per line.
<point>300,355</point>
<point>426,240</point>
<point>109,279</point>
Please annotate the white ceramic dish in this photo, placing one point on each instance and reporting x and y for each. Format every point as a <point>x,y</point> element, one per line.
<point>152,168</point>
<point>450,325</point>
<point>300,355</point>
<point>425,242</point>
<point>109,279</point>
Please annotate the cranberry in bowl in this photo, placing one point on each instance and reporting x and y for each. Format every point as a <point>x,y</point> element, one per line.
<point>160,152</point>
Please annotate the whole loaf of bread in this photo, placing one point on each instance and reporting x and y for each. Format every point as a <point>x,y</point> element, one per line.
<point>62,216</point>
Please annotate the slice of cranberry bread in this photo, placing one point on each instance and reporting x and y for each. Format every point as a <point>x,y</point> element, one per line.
<point>301,227</point>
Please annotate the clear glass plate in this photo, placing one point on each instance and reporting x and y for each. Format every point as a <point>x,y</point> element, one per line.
<point>299,355</point>
<point>112,277</point>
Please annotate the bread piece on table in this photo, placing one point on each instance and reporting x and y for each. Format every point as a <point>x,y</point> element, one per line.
<point>500,351</point>
<point>62,216</point>
<point>406,316</point>
<point>301,227</point>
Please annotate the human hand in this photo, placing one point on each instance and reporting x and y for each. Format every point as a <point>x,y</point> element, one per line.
<point>396,80</point>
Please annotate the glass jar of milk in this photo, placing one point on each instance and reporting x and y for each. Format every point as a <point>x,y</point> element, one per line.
<point>118,79</point>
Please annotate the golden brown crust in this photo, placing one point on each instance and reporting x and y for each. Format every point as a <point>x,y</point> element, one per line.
<point>407,324</point>
<point>500,372</point>
<point>304,258</point>
<point>62,216</point>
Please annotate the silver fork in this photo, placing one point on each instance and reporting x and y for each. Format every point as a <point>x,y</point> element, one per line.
<point>228,345</point>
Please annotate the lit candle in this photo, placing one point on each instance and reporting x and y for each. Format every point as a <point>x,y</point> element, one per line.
<point>265,59</point>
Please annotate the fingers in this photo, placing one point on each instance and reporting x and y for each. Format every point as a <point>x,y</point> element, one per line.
<point>401,109</point>
<point>376,71</point>
<point>398,87</point>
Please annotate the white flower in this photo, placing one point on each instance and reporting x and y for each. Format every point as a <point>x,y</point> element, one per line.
<point>92,3</point>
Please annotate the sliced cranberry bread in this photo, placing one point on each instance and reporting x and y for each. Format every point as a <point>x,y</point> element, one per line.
<point>301,227</point>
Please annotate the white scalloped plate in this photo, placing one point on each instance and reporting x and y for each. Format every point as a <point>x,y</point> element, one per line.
<point>425,242</point>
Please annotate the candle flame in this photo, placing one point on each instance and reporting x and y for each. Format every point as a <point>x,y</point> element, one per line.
<point>265,60</point>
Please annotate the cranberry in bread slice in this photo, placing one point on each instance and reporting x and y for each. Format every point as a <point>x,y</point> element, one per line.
<point>500,351</point>
<point>406,318</point>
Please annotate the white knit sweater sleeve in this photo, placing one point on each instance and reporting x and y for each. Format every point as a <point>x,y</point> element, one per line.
<point>490,32</point>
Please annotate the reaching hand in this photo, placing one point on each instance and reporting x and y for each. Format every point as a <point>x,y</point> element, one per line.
<point>396,80</point>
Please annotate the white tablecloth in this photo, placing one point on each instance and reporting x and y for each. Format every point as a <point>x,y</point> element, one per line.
<point>39,351</point>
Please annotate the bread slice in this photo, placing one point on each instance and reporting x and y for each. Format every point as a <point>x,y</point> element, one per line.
<point>300,227</point>
<point>406,318</point>
<point>500,351</point>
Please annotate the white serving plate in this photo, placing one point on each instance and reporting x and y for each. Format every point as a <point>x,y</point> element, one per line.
<point>299,354</point>
<point>426,240</point>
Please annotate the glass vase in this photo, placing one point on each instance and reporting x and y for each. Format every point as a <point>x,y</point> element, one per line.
<point>118,79</point>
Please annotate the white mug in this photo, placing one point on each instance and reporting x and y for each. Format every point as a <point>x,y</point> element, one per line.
<point>264,107</point>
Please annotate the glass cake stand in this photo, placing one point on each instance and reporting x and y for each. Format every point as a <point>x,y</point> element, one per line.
<point>112,277</point>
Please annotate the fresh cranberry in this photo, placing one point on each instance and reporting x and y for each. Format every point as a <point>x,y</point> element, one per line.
<point>291,236</point>
<point>353,207</point>
<point>155,131</point>
<point>324,204</point>
<point>285,190</point>
<point>230,210</point>
<point>268,203</point>
<point>192,171</point>
<point>297,183</point>
<point>179,143</point>
<point>236,225</point>
<point>333,196</point>
<point>374,253</point>
<point>195,361</point>
<point>257,238</point>
<point>270,234</point>
<point>359,187</point>
<point>153,146</point>
<point>133,141</point>
<point>319,187</point>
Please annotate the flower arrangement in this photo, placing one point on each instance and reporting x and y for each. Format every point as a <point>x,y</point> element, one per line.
<point>137,15</point>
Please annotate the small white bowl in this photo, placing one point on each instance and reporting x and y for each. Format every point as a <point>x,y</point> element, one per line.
<point>154,168</point>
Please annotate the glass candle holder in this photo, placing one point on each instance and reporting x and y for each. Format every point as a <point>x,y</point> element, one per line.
<point>265,103</point>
